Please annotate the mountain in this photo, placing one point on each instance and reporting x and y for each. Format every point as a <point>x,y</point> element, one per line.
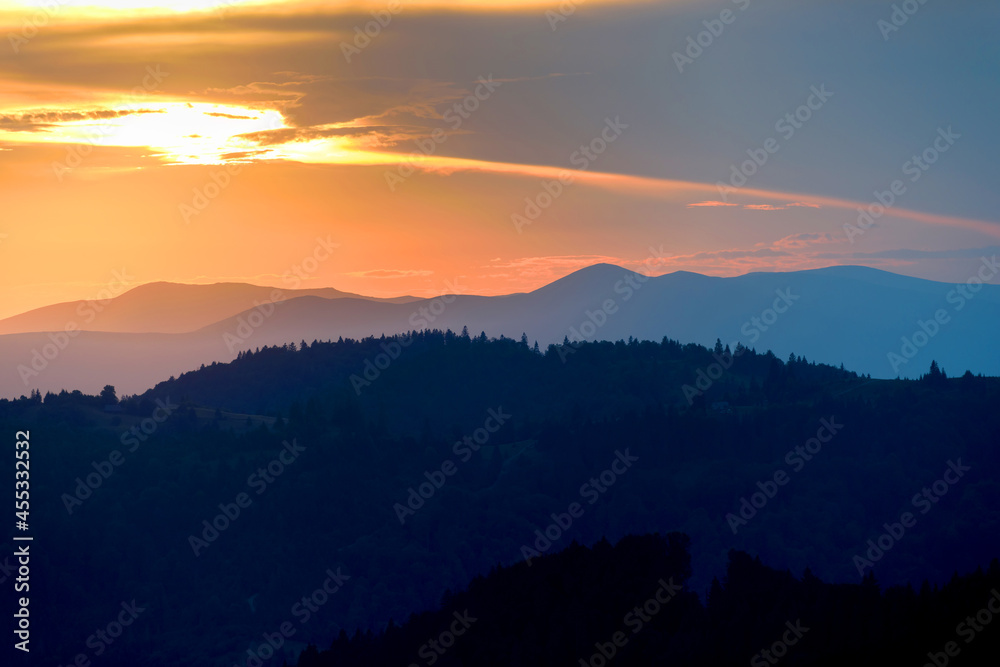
<point>466,456</point>
<point>871,321</point>
<point>163,307</point>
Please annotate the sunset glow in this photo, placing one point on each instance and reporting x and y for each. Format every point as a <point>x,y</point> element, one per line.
<point>677,302</point>
<point>182,132</point>
<point>103,7</point>
<point>432,152</point>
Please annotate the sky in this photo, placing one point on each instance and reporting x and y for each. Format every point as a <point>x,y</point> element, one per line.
<point>488,147</point>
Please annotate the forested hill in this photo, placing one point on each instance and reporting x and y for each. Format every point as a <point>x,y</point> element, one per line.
<point>628,605</point>
<point>439,376</point>
<point>457,457</point>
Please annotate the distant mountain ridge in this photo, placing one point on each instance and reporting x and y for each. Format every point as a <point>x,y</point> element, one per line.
<point>870,321</point>
<point>163,307</point>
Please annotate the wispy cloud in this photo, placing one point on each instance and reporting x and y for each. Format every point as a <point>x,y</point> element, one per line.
<point>753,207</point>
<point>911,255</point>
<point>710,204</point>
<point>34,121</point>
<point>391,273</point>
<point>798,241</point>
<point>779,207</point>
<point>227,115</point>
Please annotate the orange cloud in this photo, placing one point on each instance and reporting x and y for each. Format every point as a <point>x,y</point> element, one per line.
<point>675,189</point>
<point>806,240</point>
<point>780,207</point>
<point>753,207</point>
<point>709,204</point>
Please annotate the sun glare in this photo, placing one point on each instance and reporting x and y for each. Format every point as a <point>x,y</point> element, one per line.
<point>89,6</point>
<point>182,132</point>
<point>101,9</point>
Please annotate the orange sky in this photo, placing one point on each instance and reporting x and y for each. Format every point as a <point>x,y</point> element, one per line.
<point>220,142</point>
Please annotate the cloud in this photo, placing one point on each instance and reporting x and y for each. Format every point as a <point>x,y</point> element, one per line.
<point>708,204</point>
<point>555,261</point>
<point>753,207</point>
<point>799,252</point>
<point>315,101</point>
<point>796,241</point>
<point>217,114</point>
<point>391,273</point>
<point>373,135</point>
<point>790,253</point>
<point>545,269</point>
<point>726,255</point>
<point>35,121</point>
<point>780,207</point>
<point>911,255</point>
<point>401,87</point>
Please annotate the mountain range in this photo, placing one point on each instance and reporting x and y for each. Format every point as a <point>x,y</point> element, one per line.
<point>873,322</point>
